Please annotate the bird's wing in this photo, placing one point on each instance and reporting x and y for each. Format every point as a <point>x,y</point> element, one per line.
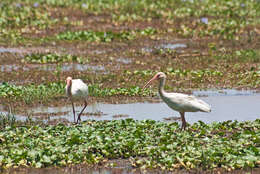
<point>189,102</point>
<point>79,88</point>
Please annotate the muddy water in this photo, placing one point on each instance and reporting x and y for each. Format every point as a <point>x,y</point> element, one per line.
<point>226,105</point>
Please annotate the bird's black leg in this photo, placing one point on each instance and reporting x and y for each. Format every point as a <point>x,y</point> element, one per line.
<point>82,111</point>
<point>73,110</point>
<point>183,126</point>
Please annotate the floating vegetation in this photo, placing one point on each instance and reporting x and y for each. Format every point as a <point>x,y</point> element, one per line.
<point>7,120</point>
<point>147,144</point>
<point>52,58</point>
<point>227,19</point>
<point>94,90</point>
<point>46,92</point>
<point>100,36</point>
<point>31,93</point>
<point>178,72</point>
<point>22,14</point>
<point>247,55</point>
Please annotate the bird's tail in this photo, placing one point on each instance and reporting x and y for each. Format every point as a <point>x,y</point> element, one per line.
<point>206,108</point>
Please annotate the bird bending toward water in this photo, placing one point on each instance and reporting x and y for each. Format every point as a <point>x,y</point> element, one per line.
<point>76,89</point>
<point>179,102</point>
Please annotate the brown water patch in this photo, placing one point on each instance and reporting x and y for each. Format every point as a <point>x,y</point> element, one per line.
<point>49,114</point>
<point>120,116</point>
<point>96,114</point>
<point>172,118</point>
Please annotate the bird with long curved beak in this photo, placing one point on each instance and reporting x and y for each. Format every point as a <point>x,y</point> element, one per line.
<point>178,101</point>
<point>76,89</point>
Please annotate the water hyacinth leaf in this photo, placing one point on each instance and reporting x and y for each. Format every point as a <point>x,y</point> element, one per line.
<point>160,144</point>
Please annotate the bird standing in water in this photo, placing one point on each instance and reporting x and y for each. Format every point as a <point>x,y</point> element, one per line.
<point>76,89</point>
<point>179,102</point>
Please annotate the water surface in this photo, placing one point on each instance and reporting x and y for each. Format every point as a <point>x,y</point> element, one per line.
<point>226,105</point>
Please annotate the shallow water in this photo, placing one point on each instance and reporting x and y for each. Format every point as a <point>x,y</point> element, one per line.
<point>51,67</point>
<point>226,105</point>
<point>13,67</point>
<point>70,67</point>
<point>172,46</point>
<point>124,60</point>
<point>11,50</point>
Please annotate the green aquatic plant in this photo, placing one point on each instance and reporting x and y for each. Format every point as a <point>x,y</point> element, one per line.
<point>178,72</point>
<point>19,15</point>
<point>52,58</point>
<point>146,143</point>
<point>248,55</point>
<point>95,90</point>
<point>100,36</point>
<point>224,19</point>
<point>7,119</point>
<point>46,92</point>
<point>30,93</point>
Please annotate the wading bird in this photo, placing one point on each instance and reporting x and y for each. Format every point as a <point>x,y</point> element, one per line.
<point>76,89</point>
<point>177,101</point>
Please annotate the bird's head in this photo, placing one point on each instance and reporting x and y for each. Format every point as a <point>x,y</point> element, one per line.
<point>68,81</point>
<point>158,76</point>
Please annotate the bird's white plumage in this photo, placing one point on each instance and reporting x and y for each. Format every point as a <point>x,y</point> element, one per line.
<point>179,102</point>
<point>78,89</point>
<point>185,103</point>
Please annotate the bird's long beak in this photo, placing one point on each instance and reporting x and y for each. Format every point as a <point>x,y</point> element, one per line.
<point>154,78</point>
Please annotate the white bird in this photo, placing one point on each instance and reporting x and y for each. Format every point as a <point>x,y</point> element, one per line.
<point>178,101</point>
<point>76,89</point>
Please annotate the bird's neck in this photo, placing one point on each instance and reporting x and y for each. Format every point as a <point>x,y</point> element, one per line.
<point>69,90</point>
<point>161,86</point>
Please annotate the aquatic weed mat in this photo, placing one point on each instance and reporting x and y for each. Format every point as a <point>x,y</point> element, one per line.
<point>146,144</point>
